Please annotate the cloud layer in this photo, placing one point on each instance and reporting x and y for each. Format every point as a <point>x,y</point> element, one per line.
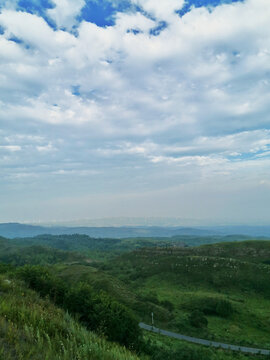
<point>154,104</point>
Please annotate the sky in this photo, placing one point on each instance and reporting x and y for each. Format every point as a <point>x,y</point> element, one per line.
<point>137,108</point>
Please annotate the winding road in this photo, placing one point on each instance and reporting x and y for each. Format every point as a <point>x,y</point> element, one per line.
<point>204,342</point>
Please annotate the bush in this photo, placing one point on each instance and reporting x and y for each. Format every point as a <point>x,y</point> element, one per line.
<point>197,319</point>
<point>181,323</point>
<point>167,304</point>
<point>224,308</point>
<point>116,322</point>
<point>211,306</point>
<point>97,311</point>
<point>5,268</point>
<point>101,313</point>
<point>40,279</point>
<point>151,296</point>
<point>182,352</point>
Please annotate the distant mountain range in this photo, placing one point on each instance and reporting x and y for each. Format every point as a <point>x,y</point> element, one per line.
<point>13,230</point>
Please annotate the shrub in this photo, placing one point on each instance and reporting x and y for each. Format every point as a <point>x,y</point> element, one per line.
<point>224,308</point>
<point>182,352</point>
<point>211,306</point>
<point>151,296</point>
<point>167,304</point>
<point>197,319</point>
<point>96,311</point>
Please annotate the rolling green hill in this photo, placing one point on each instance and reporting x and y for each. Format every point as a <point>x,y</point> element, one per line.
<point>228,284</point>
<point>219,292</point>
<point>102,248</point>
<point>251,251</point>
<point>198,266</point>
<point>94,248</point>
<point>12,253</point>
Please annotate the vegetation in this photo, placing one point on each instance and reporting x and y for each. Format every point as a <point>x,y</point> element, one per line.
<point>12,253</point>
<point>170,349</point>
<point>59,304</point>
<point>95,248</point>
<point>233,294</point>
<point>105,248</point>
<point>211,306</point>
<point>34,328</point>
<point>97,311</point>
<point>250,251</point>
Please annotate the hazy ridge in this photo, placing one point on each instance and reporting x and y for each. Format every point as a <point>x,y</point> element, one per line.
<point>13,230</point>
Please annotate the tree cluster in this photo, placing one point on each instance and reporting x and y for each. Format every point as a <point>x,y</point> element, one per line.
<point>96,310</point>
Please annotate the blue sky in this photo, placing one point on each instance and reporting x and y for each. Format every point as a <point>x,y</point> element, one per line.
<point>137,108</point>
<point>102,12</point>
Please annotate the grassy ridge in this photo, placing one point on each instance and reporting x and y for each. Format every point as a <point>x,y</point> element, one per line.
<point>33,328</point>
<point>188,267</point>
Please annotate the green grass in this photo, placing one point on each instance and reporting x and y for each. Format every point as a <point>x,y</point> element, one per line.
<point>188,276</point>
<point>249,325</point>
<point>190,351</point>
<point>33,328</point>
<point>171,282</point>
<point>144,279</point>
<point>99,280</point>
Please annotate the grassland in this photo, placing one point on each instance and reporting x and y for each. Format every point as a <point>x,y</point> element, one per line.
<point>171,349</point>
<point>34,328</point>
<point>178,281</point>
<point>227,283</point>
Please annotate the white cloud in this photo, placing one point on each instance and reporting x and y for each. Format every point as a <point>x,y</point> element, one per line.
<point>162,9</point>
<point>136,21</point>
<point>10,51</point>
<point>30,28</point>
<point>65,12</point>
<point>46,148</point>
<point>11,148</point>
<point>190,102</point>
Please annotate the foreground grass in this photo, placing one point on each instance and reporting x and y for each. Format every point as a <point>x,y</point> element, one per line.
<point>33,328</point>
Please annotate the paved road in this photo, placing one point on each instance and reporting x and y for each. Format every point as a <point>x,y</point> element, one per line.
<point>204,342</point>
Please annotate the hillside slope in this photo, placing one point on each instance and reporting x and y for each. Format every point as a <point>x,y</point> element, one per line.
<point>33,328</point>
<point>219,292</point>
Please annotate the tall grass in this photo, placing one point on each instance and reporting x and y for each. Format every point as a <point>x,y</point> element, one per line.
<point>33,328</point>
